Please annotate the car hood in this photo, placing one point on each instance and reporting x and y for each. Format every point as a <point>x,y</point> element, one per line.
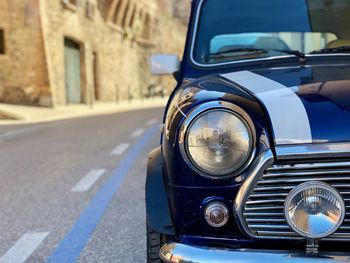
<point>320,109</point>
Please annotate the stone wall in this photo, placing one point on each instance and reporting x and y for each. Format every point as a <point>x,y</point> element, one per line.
<point>35,32</point>
<point>23,71</point>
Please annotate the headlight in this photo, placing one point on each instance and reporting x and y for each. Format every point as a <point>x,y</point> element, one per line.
<point>314,210</point>
<point>218,142</point>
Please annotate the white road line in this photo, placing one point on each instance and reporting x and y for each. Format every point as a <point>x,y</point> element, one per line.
<point>88,181</point>
<point>120,149</point>
<point>151,122</point>
<point>16,132</point>
<point>137,133</point>
<point>24,247</point>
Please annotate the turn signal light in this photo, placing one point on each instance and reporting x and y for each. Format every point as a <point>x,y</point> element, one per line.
<point>216,214</point>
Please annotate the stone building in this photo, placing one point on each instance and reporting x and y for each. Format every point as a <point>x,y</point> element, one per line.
<point>176,8</point>
<point>57,52</point>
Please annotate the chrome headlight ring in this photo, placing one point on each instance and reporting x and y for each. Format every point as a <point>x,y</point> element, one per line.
<point>216,106</point>
<point>314,210</point>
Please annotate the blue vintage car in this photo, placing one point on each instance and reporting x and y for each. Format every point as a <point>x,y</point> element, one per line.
<point>254,160</point>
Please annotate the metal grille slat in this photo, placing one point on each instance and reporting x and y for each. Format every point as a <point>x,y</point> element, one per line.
<point>269,195</point>
<point>264,207</point>
<point>301,180</point>
<point>270,226</point>
<point>292,174</point>
<point>266,220</point>
<point>255,214</point>
<point>308,166</point>
<point>277,233</point>
<point>273,188</point>
<point>267,201</point>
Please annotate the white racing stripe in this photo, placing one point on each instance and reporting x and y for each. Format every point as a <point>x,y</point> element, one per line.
<point>120,149</point>
<point>289,118</point>
<point>24,247</point>
<point>88,181</point>
<point>137,133</point>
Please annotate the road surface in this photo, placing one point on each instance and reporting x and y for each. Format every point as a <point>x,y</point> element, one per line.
<point>73,191</point>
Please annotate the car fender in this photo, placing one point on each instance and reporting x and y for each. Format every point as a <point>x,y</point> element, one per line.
<point>157,208</point>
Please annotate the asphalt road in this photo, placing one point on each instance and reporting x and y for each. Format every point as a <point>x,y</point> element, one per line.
<point>73,191</point>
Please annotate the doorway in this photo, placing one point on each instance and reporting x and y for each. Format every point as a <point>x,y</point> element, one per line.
<point>72,54</point>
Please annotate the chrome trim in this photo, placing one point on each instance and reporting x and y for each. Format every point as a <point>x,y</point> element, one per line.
<point>177,252</point>
<point>265,214</point>
<point>263,161</point>
<point>209,106</point>
<point>267,201</point>
<point>267,208</point>
<point>272,175</point>
<point>263,197</point>
<point>194,37</point>
<point>301,180</point>
<point>270,220</point>
<point>218,208</point>
<point>303,166</point>
<point>313,151</point>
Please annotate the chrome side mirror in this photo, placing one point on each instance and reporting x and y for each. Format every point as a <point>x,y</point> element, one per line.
<point>164,64</point>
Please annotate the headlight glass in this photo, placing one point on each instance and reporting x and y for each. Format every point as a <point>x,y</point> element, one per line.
<point>219,142</point>
<point>314,210</point>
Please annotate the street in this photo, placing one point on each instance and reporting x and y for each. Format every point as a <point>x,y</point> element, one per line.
<point>73,190</point>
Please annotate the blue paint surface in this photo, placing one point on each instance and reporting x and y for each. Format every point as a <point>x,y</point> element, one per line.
<point>74,242</point>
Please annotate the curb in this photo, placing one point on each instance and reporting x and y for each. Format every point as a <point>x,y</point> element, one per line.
<point>34,115</point>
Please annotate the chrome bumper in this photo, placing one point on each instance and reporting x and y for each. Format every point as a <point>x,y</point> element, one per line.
<point>181,253</point>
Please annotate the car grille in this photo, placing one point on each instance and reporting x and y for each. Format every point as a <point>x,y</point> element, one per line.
<point>264,208</point>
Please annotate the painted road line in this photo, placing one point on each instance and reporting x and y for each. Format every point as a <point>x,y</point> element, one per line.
<point>138,133</point>
<point>74,242</point>
<point>88,181</point>
<point>16,132</point>
<point>151,122</point>
<point>24,247</point>
<point>120,149</point>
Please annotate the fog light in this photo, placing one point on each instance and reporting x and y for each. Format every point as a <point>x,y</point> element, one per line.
<point>314,210</point>
<point>216,214</point>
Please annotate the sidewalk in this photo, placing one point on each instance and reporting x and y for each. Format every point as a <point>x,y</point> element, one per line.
<point>27,114</point>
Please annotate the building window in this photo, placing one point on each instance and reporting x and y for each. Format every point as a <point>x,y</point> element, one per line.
<point>118,12</point>
<point>71,4</point>
<point>90,10</point>
<point>124,16</point>
<point>132,17</point>
<point>146,34</point>
<point>128,17</point>
<point>2,42</point>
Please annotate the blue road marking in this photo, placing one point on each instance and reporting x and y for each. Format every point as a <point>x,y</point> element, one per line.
<point>75,241</point>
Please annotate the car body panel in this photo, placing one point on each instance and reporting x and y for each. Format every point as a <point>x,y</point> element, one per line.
<point>157,208</point>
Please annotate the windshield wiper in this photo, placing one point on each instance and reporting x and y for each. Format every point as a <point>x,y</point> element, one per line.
<point>342,49</point>
<point>221,54</point>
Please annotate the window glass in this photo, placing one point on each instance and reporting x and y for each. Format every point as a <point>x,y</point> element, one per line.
<point>304,25</point>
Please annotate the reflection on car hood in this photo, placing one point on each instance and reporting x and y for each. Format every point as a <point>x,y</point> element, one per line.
<point>325,94</point>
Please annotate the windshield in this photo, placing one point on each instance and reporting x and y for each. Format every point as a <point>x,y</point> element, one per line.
<point>236,30</point>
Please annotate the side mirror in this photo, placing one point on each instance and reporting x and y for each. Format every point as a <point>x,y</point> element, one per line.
<point>164,64</point>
